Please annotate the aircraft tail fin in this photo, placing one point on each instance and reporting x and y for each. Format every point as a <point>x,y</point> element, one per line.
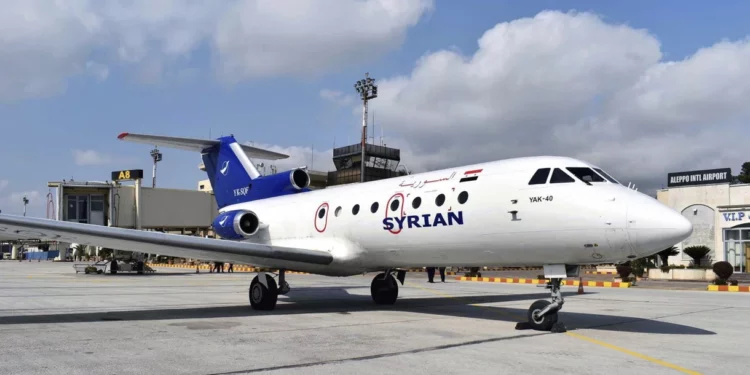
<point>226,161</point>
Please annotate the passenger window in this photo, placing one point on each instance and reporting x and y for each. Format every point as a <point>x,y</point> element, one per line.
<point>585,174</point>
<point>608,177</point>
<point>440,200</point>
<point>559,177</point>
<point>394,205</point>
<point>321,213</point>
<point>540,177</point>
<point>374,207</point>
<point>463,197</point>
<point>416,202</point>
<point>355,209</point>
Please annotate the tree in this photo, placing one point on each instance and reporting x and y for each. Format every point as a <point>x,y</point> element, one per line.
<point>666,253</point>
<point>723,270</point>
<point>697,253</point>
<point>744,176</point>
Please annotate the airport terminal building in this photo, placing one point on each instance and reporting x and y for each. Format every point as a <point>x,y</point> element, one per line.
<point>719,209</point>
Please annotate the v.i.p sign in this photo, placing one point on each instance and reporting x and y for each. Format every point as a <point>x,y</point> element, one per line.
<point>734,216</point>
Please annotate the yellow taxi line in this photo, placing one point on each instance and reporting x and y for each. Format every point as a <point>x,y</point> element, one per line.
<point>634,354</point>
<point>586,338</point>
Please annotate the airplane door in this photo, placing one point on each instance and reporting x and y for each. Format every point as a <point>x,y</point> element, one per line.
<point>616,225</point>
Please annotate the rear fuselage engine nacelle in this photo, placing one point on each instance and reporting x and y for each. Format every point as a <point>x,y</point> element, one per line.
<point>235,225</point>
<point>291,181</point>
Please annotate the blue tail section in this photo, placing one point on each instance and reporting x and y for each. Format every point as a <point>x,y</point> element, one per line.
<point>235,179</point>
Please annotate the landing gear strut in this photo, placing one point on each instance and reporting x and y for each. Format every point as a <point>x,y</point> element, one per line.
<point>542,315</point>
<point>384,287</point>
<point>264,291</point>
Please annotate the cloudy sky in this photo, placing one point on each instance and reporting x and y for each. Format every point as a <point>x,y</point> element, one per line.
<point>641,88</point>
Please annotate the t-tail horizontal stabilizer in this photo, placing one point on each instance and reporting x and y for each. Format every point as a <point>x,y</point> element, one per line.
<point>197,145</point>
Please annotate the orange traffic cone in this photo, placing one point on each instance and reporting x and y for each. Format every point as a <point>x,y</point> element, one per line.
<point>580,285</point>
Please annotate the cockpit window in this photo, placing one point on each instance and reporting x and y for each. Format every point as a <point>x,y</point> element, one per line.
<point>585,174</point>
<point>540,177</point>
<point>608,177</point>
<point>559,177</point>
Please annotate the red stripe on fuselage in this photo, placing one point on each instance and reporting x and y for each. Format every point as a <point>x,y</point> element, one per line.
<point>472,171</point>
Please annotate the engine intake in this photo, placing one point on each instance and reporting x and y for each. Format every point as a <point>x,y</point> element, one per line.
<point>300,179</point>
<point>236,224</point>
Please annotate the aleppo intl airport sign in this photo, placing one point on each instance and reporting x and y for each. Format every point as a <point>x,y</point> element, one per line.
<point>704,177</point>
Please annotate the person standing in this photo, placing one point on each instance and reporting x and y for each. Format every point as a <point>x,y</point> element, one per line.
<point>442,274</point>
<point>430,274</point>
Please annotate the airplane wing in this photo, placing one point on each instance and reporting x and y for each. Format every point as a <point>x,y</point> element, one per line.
<point>154,242</point>
<point>197,145</point>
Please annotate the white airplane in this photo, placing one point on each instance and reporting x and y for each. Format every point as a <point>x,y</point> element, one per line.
<point>553,211</point>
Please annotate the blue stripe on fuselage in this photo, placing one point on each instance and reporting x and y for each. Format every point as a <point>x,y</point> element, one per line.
<point>423,221</point>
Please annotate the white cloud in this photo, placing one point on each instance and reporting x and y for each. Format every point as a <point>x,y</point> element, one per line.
<point>337,97</point>
<point>319,160</point>
<point>270,37</point>
<point>45,43</point>
<point>571,84</point>
<point>90,157</point>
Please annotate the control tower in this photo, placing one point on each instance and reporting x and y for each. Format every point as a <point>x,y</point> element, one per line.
<point>380,162</point>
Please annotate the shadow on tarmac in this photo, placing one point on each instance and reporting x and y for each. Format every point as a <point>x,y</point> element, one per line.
<point>339,300</point>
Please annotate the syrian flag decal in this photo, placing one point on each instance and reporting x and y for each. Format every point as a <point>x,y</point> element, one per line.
<point>471,175</point>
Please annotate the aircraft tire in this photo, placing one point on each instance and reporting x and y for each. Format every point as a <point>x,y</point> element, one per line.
<point>262,298</point>
<point>384,292</point>
<point>546,322</point>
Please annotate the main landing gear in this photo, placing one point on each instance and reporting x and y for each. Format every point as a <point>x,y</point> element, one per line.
<point>542,315</point>
<point>384,288</point>
<point>264,291</point>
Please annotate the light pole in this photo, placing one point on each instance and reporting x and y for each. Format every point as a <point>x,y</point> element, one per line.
<point>157,157</point>
<point>25,203</point>
<point>367,90</point>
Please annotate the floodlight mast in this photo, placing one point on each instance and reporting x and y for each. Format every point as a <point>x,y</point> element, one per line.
<point>157,157</point>
<point>367,90</point>
<point>25,203</point>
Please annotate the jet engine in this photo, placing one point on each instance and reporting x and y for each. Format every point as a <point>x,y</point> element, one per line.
<point>288,181</point>
<point>238,224</point>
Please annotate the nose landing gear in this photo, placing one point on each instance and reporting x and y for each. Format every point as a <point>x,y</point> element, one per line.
<point>542,315</point>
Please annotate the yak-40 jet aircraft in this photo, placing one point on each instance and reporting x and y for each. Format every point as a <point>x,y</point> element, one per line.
<point>553,211</point>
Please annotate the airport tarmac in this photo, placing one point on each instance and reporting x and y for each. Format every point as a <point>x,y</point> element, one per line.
<point>53,321</point>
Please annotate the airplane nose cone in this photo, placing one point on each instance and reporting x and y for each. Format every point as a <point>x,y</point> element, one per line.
<point>654,227</point>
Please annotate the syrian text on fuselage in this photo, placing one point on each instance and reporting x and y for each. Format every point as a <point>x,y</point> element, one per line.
<point>423,221</point>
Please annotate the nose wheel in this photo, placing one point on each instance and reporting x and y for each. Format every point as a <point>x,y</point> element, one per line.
<point>542,315</point>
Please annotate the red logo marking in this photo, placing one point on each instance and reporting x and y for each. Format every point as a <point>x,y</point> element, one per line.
<point>325,223</point>
<point>401,206</point>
